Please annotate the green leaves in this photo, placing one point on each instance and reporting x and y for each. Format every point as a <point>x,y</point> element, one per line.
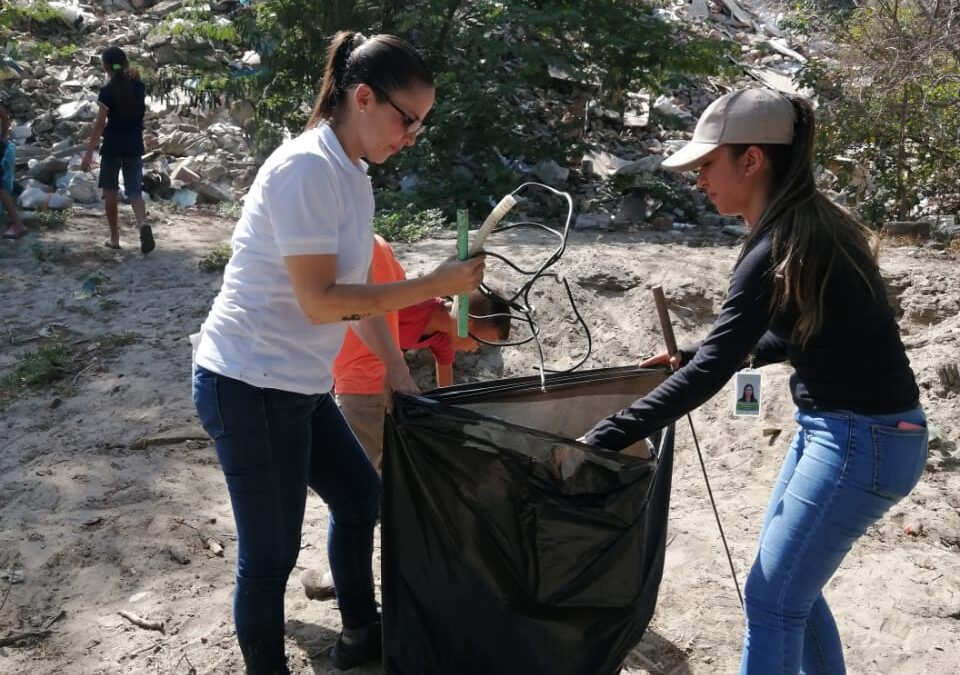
<point>893,103</point>
<point>407,223</point>
<point>496,103</point>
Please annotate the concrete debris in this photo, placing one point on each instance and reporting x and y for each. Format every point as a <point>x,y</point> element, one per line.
<point>199,151</point>
<point>592,221</point>
<point>605,164</point>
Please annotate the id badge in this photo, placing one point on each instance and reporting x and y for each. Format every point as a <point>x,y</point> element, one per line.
<point>747,394</point>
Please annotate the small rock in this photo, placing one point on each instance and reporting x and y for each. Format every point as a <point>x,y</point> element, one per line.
<point>592,221</point>
<point>179,554</point>
<point>661,222</point>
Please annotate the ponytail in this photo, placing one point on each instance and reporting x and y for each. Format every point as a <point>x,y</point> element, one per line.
<point>331,89</point>
<point>383,62</point>
<point>115,62</point>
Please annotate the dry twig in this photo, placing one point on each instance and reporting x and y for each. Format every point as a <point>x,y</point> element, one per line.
<point>139,621</point>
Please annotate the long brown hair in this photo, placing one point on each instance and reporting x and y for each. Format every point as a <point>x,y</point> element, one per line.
<point>809,231</point>
<point>383,62</point>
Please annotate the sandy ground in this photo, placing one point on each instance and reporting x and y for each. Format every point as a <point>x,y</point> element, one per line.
<point>110,495</point>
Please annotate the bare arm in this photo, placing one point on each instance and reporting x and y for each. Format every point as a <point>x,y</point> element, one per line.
<point>323,300</point>
<point>95,135</point>
<point>444,374</point>
<point>376,335</point>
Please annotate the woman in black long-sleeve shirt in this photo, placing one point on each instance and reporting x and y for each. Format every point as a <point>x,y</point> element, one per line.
<point>806,289</point>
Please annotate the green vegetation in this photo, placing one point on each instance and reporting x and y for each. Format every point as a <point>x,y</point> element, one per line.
<point>34,370</point>
<point>892,102</point>
<point>44,49</point>
<point>51,363</point>
<point>496,102</point>
<point>48,252</point>
<point>92,285</point>
<point>43,366</point>
<point>51,218</point>
<point>27,16</point>
<point>406,223</point>
<point>231,210</point>
<point>216,260</point>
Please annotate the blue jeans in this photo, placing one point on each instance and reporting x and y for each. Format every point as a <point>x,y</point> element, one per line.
<point>271,445</point>
<point>841,474</point>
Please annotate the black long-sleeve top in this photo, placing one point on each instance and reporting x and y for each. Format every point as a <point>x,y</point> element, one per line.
<point>855,362</point>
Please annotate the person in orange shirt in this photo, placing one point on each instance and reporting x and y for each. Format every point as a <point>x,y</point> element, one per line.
<point>432,325</point>
<point>360,384</point>
<point>359,376</point>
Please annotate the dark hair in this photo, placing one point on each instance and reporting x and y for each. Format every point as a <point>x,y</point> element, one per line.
<point>491,310</point>
<point>115,62</point>
<point>809,231</point>
<point>383,62</point>
<point>743,396</point>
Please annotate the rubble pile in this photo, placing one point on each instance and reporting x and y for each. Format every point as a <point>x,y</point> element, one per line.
<point>203,155</point>
<point>191,156</point>
<point>619,179</point>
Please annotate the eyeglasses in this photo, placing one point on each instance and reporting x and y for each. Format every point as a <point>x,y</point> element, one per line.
<point>411,125</point>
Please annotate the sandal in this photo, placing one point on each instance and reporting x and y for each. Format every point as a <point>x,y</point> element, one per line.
<point>146,239</point>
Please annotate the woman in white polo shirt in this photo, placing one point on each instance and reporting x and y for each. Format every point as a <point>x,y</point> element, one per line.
<point>299,272</point>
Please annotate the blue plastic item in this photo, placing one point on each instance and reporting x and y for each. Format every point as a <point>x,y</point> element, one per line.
<point>9,165</point>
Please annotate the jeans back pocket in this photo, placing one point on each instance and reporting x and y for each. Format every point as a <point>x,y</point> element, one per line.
<point>899,456</point>
<point>206,399</point>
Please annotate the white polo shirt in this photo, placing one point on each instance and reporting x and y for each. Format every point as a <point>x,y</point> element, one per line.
<point>308,198</point>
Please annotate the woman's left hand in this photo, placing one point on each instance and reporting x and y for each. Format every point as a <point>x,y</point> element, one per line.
<point>399,380</point>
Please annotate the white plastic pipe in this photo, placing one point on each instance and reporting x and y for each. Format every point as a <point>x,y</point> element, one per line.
<point>499,211</point>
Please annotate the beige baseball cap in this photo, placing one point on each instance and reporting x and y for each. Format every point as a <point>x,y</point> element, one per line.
<point>748,116</point>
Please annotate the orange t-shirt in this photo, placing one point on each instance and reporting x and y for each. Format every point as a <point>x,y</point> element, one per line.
<point>356,370</point>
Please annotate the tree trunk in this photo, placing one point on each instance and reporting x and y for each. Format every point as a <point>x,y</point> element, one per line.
<point>387,9</point>
<point>329,18</point>
<point>902,153</point>
<point>452,7</point>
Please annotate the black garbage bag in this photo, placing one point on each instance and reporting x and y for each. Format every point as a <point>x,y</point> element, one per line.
<point>509,548</point>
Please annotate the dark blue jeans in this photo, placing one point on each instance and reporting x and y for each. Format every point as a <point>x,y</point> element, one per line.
<point>271,445</point>
<point>842,473</point>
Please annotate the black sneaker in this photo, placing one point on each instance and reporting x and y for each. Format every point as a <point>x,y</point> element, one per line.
<point>360,646</point>
<point>146,239</point>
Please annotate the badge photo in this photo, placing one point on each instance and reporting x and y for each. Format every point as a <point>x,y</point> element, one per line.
<point>747,394</point>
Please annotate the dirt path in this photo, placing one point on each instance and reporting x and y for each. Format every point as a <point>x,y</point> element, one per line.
<point>111,498</point>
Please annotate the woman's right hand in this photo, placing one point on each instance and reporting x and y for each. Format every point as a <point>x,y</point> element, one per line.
<point>663,359</point>
<point>457,277</point>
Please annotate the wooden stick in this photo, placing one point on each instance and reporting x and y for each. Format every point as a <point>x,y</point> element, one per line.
<point>664,315</point>
<point>90,365</point>
<point>671,341</point>
<point>139,621</point>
